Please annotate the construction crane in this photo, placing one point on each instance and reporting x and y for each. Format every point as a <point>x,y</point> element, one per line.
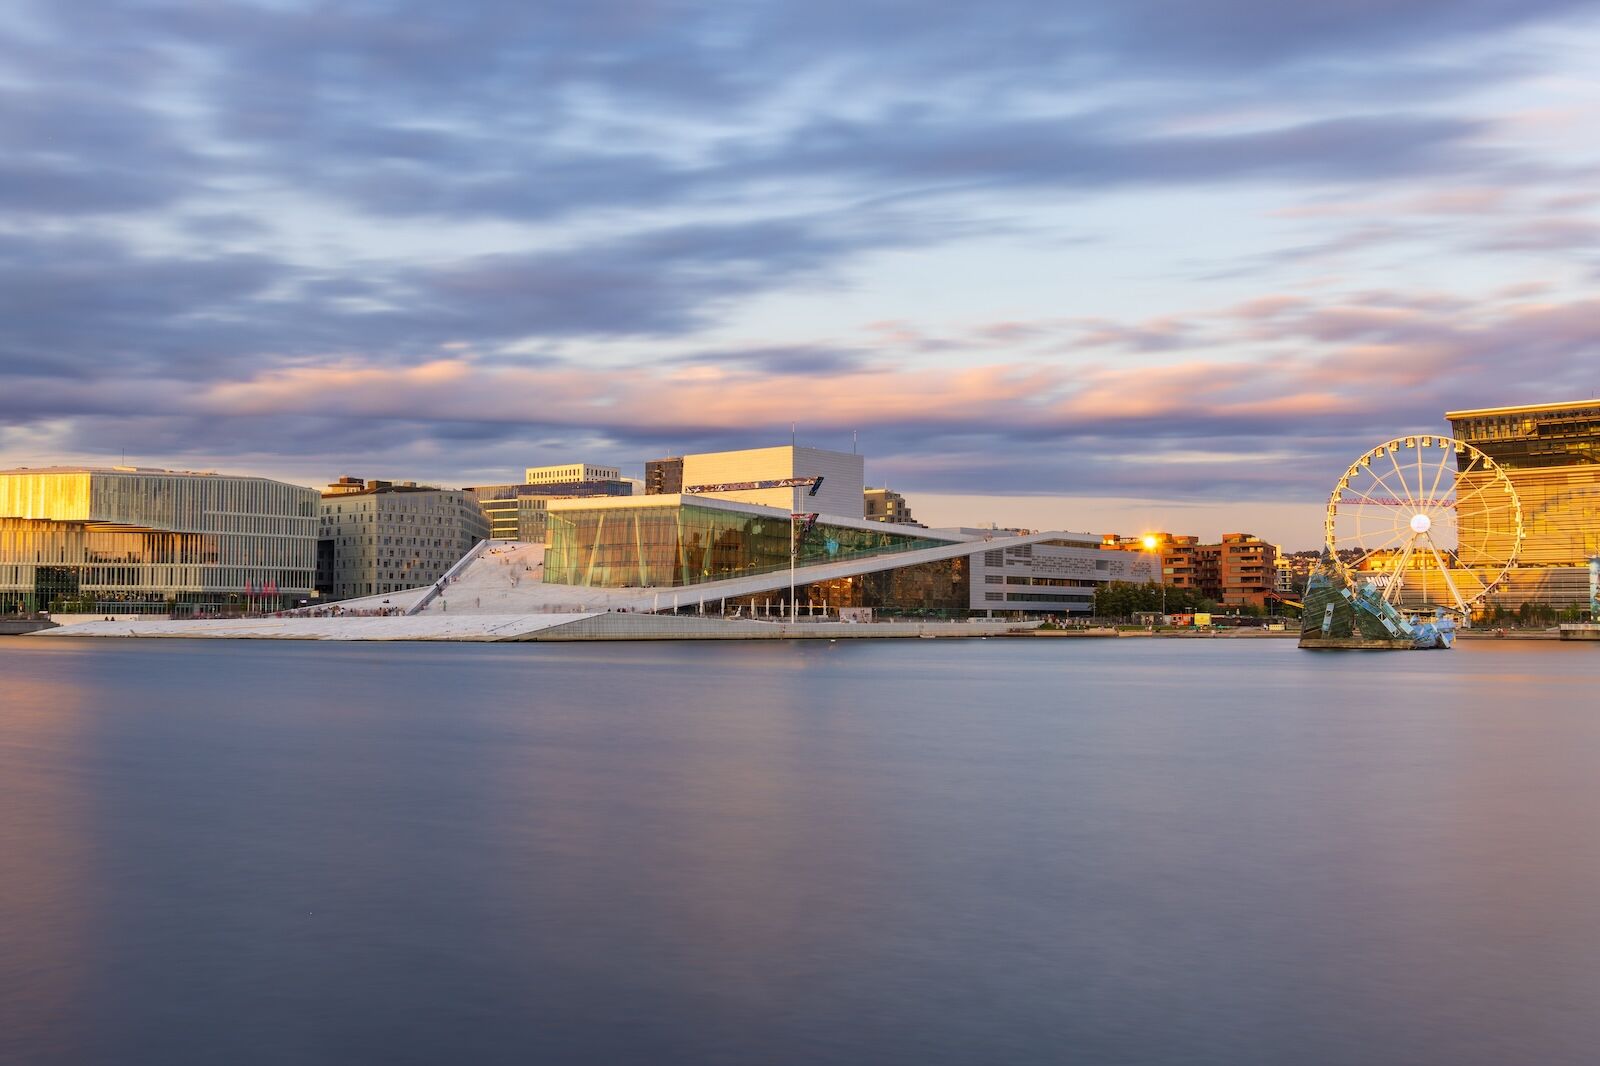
<point>810,484</point>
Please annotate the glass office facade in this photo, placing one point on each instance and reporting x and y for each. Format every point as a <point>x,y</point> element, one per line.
<point>1551,453</point>
<point>147,541</point>
<point>621,547</point>
<point>942,588</point>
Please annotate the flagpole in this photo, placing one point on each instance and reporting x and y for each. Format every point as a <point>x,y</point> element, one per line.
<point>794,500</point>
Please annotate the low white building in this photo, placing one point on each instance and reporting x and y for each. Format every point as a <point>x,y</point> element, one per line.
<point>570,473</point>
<point>1059,574</point>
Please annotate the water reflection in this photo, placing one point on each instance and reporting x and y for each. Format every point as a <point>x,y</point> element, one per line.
<point>47,870</point>
<point>911,852</point>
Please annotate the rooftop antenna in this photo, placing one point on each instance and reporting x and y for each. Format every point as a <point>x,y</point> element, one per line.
<point>852,442</point>
<point>791,434</point>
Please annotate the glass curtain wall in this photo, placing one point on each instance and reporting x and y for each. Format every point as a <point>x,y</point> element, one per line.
<point>665,546</point>
<point>103,541</point>
<point>940,589</point>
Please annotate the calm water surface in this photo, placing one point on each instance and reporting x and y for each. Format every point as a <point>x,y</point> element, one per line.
<point>905,852</point>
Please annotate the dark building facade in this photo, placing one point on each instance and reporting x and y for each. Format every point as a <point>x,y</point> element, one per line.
<point>886,505</point>
<point>663,476</point>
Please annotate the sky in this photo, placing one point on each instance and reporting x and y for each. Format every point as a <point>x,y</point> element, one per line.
<point>1105,267</point>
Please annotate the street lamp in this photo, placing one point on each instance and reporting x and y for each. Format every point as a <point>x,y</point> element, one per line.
<point>1151,544</point>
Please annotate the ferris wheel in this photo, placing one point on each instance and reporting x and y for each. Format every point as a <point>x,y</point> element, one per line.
<point>1432,520</point>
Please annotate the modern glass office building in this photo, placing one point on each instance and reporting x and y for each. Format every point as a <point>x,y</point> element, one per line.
<point>737,554</point>
<point>672,540</point>
<point>137,541</point>
<point>1551,453</point>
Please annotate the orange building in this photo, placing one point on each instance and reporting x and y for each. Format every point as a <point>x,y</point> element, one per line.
<point>1246,569</point>
<point>1241,569</point>
<point>1178,554</point>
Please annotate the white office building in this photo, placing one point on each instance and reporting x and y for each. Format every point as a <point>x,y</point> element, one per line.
<point>841,493</point>
<point>570,473</point>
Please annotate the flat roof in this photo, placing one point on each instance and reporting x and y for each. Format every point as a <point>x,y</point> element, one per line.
<point>128,470</point>
<point>1521,409</point>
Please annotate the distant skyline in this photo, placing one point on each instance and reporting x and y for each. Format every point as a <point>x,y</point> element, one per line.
<point>1109,267</point>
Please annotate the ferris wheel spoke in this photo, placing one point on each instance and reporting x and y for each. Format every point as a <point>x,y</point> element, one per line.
<point>1381,547</point>
<point>1356,537</point>
<point>1371,500</point>
<point>1419,469</point>
<point>1494,511</point>
<point>1438,475</point>
<point>1475,493</point>
<point>1391,592</point>
<point>1393,495</point>
<point>1409,497</point>
<point>1449,582</point>
<point>1370,506</point>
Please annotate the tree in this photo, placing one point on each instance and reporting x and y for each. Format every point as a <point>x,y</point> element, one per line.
<point>1123,599</point>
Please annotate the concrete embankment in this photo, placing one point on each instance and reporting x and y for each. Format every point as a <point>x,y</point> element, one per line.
<point>680,627</point>
<point>535,627</point>
<point>1172,634</point>
<point>16,627</point>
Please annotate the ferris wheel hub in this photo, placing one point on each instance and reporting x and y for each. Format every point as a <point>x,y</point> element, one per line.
<point>1420,523</point>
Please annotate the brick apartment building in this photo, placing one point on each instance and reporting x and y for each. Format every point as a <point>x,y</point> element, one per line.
<point>1240,569</point>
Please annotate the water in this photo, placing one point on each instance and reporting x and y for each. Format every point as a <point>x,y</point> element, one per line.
<point>1001,851</point>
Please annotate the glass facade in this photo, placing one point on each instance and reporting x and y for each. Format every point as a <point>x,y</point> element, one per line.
<point>147,541</point>
<point>622,547</point>
<point>941,588</point>
<point>1552,456</point>
<point>1527,437</point>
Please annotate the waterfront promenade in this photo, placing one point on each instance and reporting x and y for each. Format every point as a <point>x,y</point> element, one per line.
<point>603,625</point>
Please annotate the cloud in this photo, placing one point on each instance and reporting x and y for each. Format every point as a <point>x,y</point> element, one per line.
<point>1546,235</point>
<point>1114,421</point>
<point>80,306</point>
<point>75,152</point>
<point>89,308</point>
<point>528,112</point>
<point>781,360</point>
<point>449,235</point>
<point>1089,153</point>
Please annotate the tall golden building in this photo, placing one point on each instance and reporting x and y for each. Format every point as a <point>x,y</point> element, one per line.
<point>131,540</point>
<point>1551,453</point>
